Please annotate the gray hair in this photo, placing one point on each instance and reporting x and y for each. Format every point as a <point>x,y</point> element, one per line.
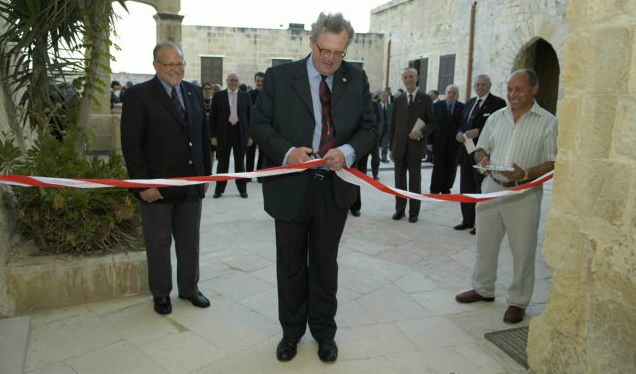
<point>532,75</point>
<point>485,76</point>
<point>412,70</point>
<point>334,23</point>
<point>155,51</point>
<point>451,86</point>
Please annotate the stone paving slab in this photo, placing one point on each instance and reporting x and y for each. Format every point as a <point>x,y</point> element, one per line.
<point>14,334</point>
<point>397,314</point>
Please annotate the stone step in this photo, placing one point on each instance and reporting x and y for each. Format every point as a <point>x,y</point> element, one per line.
<point>14,336</point>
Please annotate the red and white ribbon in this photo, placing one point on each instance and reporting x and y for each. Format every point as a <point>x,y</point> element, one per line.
<point>352,176</point>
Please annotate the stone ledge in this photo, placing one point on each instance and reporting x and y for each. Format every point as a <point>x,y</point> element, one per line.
<point>39,282</point>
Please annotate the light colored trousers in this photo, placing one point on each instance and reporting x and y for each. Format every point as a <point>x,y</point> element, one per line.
<point>518,216</point>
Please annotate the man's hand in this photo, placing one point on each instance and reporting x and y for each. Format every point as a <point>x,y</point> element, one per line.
<point>299,155</point>
<point>429,147</point>
<point>485,161</point>
<point>415,135</point>
<point>150,195</point>
<point>472,134</point>
<point>335,159</point>
<point>249,142</point>
<point>214,142</point>
<point>461,137</point>
<point>516,175</point>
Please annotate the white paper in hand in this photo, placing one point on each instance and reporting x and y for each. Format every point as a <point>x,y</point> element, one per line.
<point>470,145</point>
<point>419,125</point>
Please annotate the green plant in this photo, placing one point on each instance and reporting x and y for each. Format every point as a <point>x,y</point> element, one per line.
<point>64,220</point>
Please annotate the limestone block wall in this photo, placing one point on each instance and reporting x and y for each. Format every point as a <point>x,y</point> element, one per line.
<point>430,29</point>
<point>589,325</point>
<point>249,50</point>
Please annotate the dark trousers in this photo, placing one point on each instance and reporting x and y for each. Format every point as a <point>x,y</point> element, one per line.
<point>413,166</point>
<point>232,145</point>
<point>384,144</point>
<point>444,171</point>
<point>161,223</point>
<point>306,263</point>
<point>250,155</point>
<point>362,166</point>
<point>470,182</point>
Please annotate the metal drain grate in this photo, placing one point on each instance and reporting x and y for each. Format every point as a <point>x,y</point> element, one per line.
<point>514,342</point>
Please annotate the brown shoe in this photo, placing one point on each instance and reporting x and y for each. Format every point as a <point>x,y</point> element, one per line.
<point>514,314</point>
<point>472,297</point>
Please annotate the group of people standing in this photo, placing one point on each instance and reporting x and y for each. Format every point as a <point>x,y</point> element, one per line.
<point>321,107</point>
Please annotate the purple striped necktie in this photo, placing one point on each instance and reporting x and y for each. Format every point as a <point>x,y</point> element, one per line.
<point>328,133</point>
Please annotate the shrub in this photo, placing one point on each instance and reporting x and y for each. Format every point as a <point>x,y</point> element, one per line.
<point>65,220</point>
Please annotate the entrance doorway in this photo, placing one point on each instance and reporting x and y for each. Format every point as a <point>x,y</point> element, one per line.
<point>539,56</point>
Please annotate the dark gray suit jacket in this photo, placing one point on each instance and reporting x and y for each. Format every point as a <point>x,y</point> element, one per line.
<point>283,117</point>
<point>158,143</point>
<point>402,120</point>
<point>220,115</point>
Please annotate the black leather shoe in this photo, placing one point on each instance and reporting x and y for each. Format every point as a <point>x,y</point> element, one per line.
<point>197,300</point>
<point>413,219</point>
<point>162,305</point>
<point>398,215</point>
<point>217,195</point>
<point>376,178</point>
<point>462,226</point>
<point>355,212</point>
<point>473,231</point>
<point>244,195</point>
<point>286,349</point>
<point>472,296</point>
<point>327,350</point>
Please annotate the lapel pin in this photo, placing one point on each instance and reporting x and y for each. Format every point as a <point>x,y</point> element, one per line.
<point>344,80</point>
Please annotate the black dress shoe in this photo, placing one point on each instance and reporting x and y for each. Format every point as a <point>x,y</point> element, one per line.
<point>462,226</point>
<point>162,305</point>
<point>197,300</point>
<point>376,178</point>
<point>473,231</point>
<point>244,195</point>
<point>286,349</point>
<point>413,219</point>
<point>217,195</point>
<point>355,212</point>
<point>327,350</point>
<point>398,215</point>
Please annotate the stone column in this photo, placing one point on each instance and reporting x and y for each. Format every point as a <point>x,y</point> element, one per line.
<point>589,325</point>
<point>168,27</point>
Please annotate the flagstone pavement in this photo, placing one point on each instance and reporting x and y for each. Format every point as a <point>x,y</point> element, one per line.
<point>396,315</point>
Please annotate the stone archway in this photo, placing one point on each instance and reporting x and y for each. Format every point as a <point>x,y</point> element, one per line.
<point>539,55</point>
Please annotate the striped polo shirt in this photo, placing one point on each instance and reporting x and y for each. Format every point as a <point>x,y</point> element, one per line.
<point>530,142</point>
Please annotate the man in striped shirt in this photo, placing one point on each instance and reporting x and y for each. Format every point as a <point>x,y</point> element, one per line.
<point>521,137</point>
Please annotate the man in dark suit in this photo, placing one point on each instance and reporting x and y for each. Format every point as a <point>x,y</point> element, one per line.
<point>250,154</point>
<point>407,143</point>
<point>320,106</point>
<point>385,122</point>
<point>229,128</point>
<point>476,112</point>
<point>448,117</point>
<point>164,134</point>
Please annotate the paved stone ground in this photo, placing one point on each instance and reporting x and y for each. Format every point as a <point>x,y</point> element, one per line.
<point>397,312</point>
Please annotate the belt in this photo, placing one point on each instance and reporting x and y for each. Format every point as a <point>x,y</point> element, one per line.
<point>510,184</point>
<point>320,174</point>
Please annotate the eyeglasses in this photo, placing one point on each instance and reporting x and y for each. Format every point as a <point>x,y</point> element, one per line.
<point>172,65</point>
<point>326,53</point>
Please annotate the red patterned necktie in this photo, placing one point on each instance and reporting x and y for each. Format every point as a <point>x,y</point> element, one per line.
<point>328,134</point>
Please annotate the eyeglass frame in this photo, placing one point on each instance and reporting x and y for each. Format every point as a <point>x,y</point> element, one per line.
<point>331,53</point>
<point>172,65</point>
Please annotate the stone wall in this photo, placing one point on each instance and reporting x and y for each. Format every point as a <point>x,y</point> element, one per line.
<point>430,29</point>
<point>589,326</point>
<point>248,50</point>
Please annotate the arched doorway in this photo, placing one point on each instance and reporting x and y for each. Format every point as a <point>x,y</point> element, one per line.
<point>541,57</point>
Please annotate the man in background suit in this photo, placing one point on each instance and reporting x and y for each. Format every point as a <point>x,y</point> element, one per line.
<point>385,123</point>
<point>229,128</point>
<point>250,154</point>
<point>318,106</point>
<point>476,112</point>
<point>448,117</point>
<point>165,135</point>
<point>408,144</point>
